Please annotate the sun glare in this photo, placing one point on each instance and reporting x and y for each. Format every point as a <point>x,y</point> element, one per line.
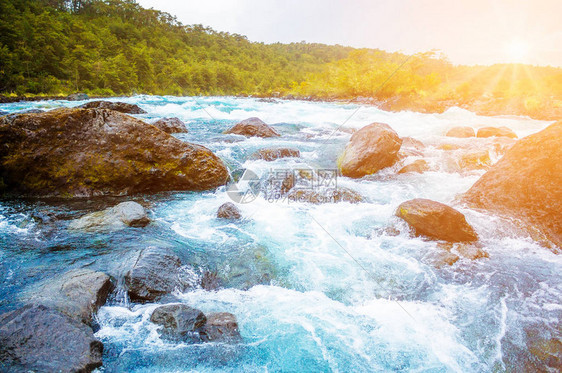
<point>517,51</point>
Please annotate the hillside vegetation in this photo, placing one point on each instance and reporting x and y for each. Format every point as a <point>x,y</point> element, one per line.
<point>116,47</point>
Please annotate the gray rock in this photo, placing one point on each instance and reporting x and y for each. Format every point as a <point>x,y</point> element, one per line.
<point>117,106</point>
<point>221,327</point>
<point>253,127</point>
<point>271,154</point>
<point>77,97</point>
<point>36,338</point>
<point>78,293</point>
<point>2,112</point>
<point>180,322</point>
<point>125,214</point>
<point>155,273</point>
<point>229,210</point>
<point>170,125</point>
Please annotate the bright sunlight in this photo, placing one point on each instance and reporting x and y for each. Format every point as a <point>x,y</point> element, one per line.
<point>517,51</point>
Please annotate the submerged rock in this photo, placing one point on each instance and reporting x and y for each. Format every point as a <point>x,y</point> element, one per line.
<point>221,327</point>
<point>2,112</point>
<point>125,214</point>
<point>436,220</point>
<point>526,183</point>
<point>210,281</point>
<point>170,125</point>
<point>180,322</point>
<point>272,154</point>
<point>91,152</point>
<point>410,142</point>
<point>496,132</point>
<point>419,166</point>
<point>546,352</point>
<point>461,132</point>
<point>155,273</point>
<point>78,293</point>
<point>474,159</point>
<point>229,210</point>
<point>324,196</point>
<point>253,127</point>
<point>36,338</point>
<point>117,106</point>
<point>369,150</point>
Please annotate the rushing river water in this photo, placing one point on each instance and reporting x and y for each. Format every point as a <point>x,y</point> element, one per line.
<point>325,287</point>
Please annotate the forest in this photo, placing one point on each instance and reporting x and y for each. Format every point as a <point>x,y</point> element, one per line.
<point>116,47</point>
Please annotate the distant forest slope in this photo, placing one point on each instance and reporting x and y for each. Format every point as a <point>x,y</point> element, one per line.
<point>115,47</point>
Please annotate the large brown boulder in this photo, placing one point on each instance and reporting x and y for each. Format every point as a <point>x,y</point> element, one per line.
<point>253,127</point>
<point>526,183</point>
<point>369,150</point>
<point>90,152</point>
<point>436,220</point>
<point>122,107</point>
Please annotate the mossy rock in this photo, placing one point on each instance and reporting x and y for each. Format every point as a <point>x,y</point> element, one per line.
<point>92,152</point>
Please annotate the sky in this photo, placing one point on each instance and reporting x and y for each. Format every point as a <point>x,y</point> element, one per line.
<point>466,31</point>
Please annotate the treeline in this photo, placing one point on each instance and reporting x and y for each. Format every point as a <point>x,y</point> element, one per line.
<point>117,47</point>
<point>108,47</point>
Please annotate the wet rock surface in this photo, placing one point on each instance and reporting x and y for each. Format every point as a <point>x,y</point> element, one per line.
<point>221,327</point>
<point>125,214</point>
<point>170,125</point>
<point>154,273</point>
<point>121,107</point>
<point>461,132</point>
<point>36,338</point>
<point>496,132</point>
<point>526,182</point>
<point>229,210</point>
<point>436,220</point>
<point>272,154</point>
<point>324,196</point>
<point>92,152</point>
<point>369,150</point>
<point>78,293</point>
<point>253,127</point>
<point>180,322</point>
<point>419,166</point>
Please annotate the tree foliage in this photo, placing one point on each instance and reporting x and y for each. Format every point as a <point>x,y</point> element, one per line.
<point>110,47</point>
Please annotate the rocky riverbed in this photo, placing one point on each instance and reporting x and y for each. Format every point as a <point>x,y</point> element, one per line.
<point>243,235</point>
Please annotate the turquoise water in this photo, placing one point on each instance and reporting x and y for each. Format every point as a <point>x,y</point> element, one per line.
<point>326,288</point>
